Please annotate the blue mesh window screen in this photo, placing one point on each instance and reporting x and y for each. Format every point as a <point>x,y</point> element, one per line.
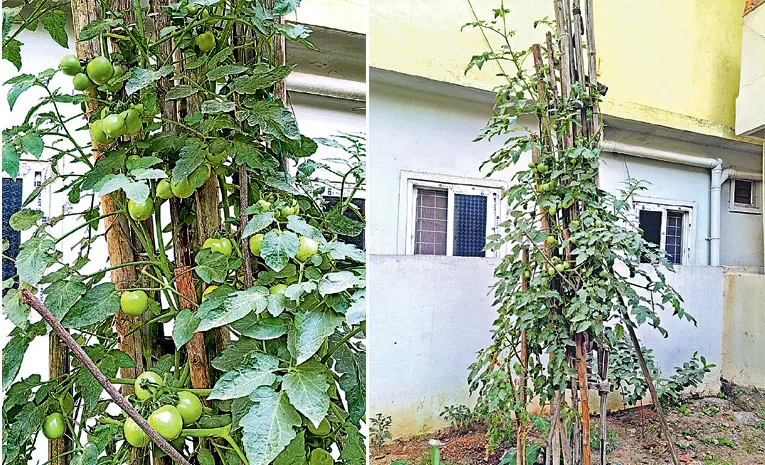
<point>469,225</point>
<point>431,220</point>
<point>12,192</point>
<point>674,237</point>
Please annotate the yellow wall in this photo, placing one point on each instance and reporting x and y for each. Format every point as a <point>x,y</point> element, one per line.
<point>674,63</point>
<point>345,15</point>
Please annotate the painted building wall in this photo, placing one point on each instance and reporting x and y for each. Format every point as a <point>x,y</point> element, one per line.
<point>685,76</point>
<point>744,328</point>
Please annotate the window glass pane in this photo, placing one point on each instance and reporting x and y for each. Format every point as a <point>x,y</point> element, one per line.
<point>674,236</point>
<point>12,194</point>
<point>650,223</point>
<point>469,225</point>
<point>430,222</point>
<point>742,192</point>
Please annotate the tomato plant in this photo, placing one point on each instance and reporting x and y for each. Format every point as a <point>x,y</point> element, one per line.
<point>184,116</point>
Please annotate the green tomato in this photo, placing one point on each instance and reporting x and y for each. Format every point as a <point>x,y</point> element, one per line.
<point>222,246</point>
<point>527,274</point>
<point>141,211</point>
<point>143,389</point>
<point>218,158</point>
<point>133,121</point>
<point>167,421</point>
<point>287,211</point>
<point>134,435</point>
<point>532,165</point>
<point>181,189</point>
<point>54,426</point>
<point>560,268</point>
<point>322,430</point>
<point>551,240</point>
<point>320,457</point>
<point>206,41</point>
<point>70,65</point>
<point>551,271</point>
<point>255,242</point>
<point>265,205</point>
<point>542,168</point>
<point>139,108</point>
<point>277,289</point>
<point>100,70</point>
<point>114,125</point>
<point>82,82</point>
<point>308,247</point>
<point>164,191</point>
<point>566,265</point>
<point>192,9</point>
<point>134,303</point>
<point>118,73</point>
<point>97,133</point>
<point>189,406</point>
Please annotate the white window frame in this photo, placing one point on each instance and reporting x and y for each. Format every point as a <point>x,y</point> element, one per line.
<point>755,207</point>
<point>411,181</point>
<point>664,206</point>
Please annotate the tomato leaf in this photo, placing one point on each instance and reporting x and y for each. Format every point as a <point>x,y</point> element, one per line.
<point>192,155</point>
<point>33,259</point>
<point>94,28</point>
<point>11,160</point>
<point>310,331</point>
<point>181,91</point>
<point>13,355</point>
<point>341,251</point>
<point>62,294</point>
<point>12,52</point>
<point>306,387</point>
<point>333,283</point>
<point>237,354</point>
<point>33,144</point>
<point>223,71</point>
<point>262,329</point>
<point>277,248</point>
<point>217,106</point>
<point>97,304</point>
<point>184,326</point>
<point>15,309</point>
<point>211,266</point>
<point>253,156</point>
<point>140,78</point>
<point>354,449</point>
<point>269,426</point>
<point>357,312</point>
<point>258,223</point>
<point>294,453</point>
<point>243,380</point>
<point>135,191</point>
<point>235,307</point>
<point>262,79</point>
<point>55,23</point>
<point>24,219</point>
<point>272,118</point>
<point>353,381</point>
<point>21,84</point>
<point>297,224</point>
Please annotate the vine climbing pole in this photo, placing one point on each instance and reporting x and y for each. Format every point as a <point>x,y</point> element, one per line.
<point>575,27</point>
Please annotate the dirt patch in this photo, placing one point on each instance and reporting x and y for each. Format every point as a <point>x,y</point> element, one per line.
<point>708,431</point>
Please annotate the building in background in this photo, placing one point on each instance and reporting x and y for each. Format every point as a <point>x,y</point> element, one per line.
<point>674,71</point>
<point>327,92</point>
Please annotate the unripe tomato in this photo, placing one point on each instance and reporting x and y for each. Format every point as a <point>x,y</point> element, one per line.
<point>189,406</point>
<point>70,65</point>
<point>134,303</point>
<point>134,435</point>
<point>277,289</point>
<point>54,426</point>
<point>141,211</point>
<point>139,108</point>
<point>145,392</point>
<point>322,430</point>
<point>542,168</point>
<point>206,41</point>
<point>118,73</point>
<point>308,247</point>
<point>207,291</point>
<point>222,246</point>
<point>216,159</point>
<point>164,191</point>
<point>133,121</point>
<point>255,242</point>
<point>320,457</point>
<point>560,268</point>
<point>265,205</point>
<point>192,9</point>
<point>527,274</point>
<point>181,189</point>
<point>287,211</point>
<point>167,421</point>
<point>82,82</point>
<point>551,240</point>
<point>97,133</point>
<point>114,125</point>
<point>100,70</point>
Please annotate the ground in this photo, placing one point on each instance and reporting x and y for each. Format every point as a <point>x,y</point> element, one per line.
<point>724,430</point>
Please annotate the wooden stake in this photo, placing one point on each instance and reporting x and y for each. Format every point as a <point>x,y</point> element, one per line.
<point>520,440</point>
<point>581,355</point>
<point>58,365</point>
<point>33,302</point>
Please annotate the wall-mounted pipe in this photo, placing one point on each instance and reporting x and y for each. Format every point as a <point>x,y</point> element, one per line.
<point>718,177</point>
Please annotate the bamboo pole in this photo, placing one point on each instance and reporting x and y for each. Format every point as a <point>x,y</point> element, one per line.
<point>58,365</point>
<point>130,411</point>
<point>520,440</point>
<point>581,355</point>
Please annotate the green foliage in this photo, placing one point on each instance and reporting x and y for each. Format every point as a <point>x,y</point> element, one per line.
<point>460,417</point>
<point>379,430</point>
<point>290,386</point>
<point>592,273</point>
<point>612,439</point>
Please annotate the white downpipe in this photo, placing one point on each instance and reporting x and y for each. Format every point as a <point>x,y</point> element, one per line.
<point>719,176</point>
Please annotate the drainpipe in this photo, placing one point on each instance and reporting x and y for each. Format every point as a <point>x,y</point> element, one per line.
<point>719,176</point>
<point>313,84</point>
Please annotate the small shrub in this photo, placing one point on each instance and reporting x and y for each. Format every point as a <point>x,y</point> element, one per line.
<point>612,439</point>
<point>460,418</point>
<point>379,430</point>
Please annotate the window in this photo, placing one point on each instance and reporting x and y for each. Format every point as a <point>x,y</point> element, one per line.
<point>668,226</point>
<point>744,196</point>
<point>451,219</point>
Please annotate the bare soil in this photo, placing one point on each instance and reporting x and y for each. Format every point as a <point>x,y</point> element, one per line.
<point>707,431</point>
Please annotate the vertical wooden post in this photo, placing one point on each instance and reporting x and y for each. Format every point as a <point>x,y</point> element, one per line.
<point>581,355</point>
<point>58,365</point>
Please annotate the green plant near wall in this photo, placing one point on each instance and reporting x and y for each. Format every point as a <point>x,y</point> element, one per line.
<point>267,305</point>
<point>576,268</point>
